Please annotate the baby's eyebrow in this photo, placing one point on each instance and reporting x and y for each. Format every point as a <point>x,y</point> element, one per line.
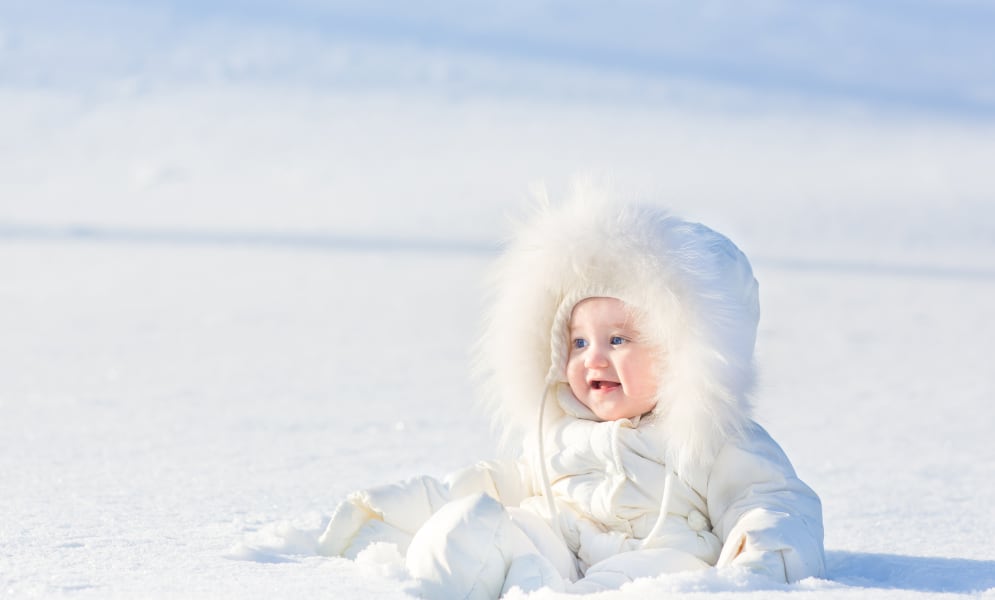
<point>618,325</point>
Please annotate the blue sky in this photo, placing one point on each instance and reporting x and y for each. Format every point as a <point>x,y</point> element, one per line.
<point>936,57</point>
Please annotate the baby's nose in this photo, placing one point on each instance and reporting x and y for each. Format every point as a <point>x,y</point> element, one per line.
<point>596,358</point>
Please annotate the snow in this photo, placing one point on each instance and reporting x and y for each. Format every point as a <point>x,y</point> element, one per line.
<point>230,299</point>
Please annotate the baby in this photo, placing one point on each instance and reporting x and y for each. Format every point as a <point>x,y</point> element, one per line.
<point>618,360</point>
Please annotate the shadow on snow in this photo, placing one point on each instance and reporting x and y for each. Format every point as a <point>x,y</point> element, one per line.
<point>919,573</point>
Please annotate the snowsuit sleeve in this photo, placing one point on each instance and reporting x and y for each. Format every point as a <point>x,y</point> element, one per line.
<point>395,512</point>
<point>768,519</point>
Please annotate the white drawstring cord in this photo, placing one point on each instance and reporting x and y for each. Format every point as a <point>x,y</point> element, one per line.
<point>557,362</point>
<point>547,488</point>
<point>664,509</point>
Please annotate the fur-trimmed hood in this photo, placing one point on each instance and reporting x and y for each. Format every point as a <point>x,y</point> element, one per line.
<point>694,288</point>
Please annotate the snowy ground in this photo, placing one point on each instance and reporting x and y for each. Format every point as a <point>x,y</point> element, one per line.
<point>225,306</point>
<point>179,418</point>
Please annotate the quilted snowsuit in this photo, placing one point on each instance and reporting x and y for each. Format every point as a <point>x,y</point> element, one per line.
<point>588,505</point>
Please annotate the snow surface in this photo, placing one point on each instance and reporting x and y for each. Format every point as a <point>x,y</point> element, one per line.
<point>228,299</point>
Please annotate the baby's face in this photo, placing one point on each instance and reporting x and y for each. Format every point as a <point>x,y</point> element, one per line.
<point>609,368</point>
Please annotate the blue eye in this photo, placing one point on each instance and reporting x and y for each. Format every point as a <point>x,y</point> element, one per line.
<point>580,343</point>
<point>617,340</point>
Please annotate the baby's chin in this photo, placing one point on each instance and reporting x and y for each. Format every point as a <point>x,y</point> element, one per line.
<point>615,410</point>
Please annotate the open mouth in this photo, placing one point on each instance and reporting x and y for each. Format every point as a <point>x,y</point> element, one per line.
<point>598,384</point>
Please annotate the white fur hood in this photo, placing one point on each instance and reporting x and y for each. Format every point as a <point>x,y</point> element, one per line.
<point>698,297</point>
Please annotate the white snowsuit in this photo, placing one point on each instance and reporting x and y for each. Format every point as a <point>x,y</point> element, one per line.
<point>589,505</point>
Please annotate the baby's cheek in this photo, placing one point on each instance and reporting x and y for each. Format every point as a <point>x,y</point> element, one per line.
<point>579,392</point>
<point>576,380</point>
<point>645,389</point>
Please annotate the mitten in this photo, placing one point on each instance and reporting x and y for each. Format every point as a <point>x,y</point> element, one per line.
<point>770,564</point>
